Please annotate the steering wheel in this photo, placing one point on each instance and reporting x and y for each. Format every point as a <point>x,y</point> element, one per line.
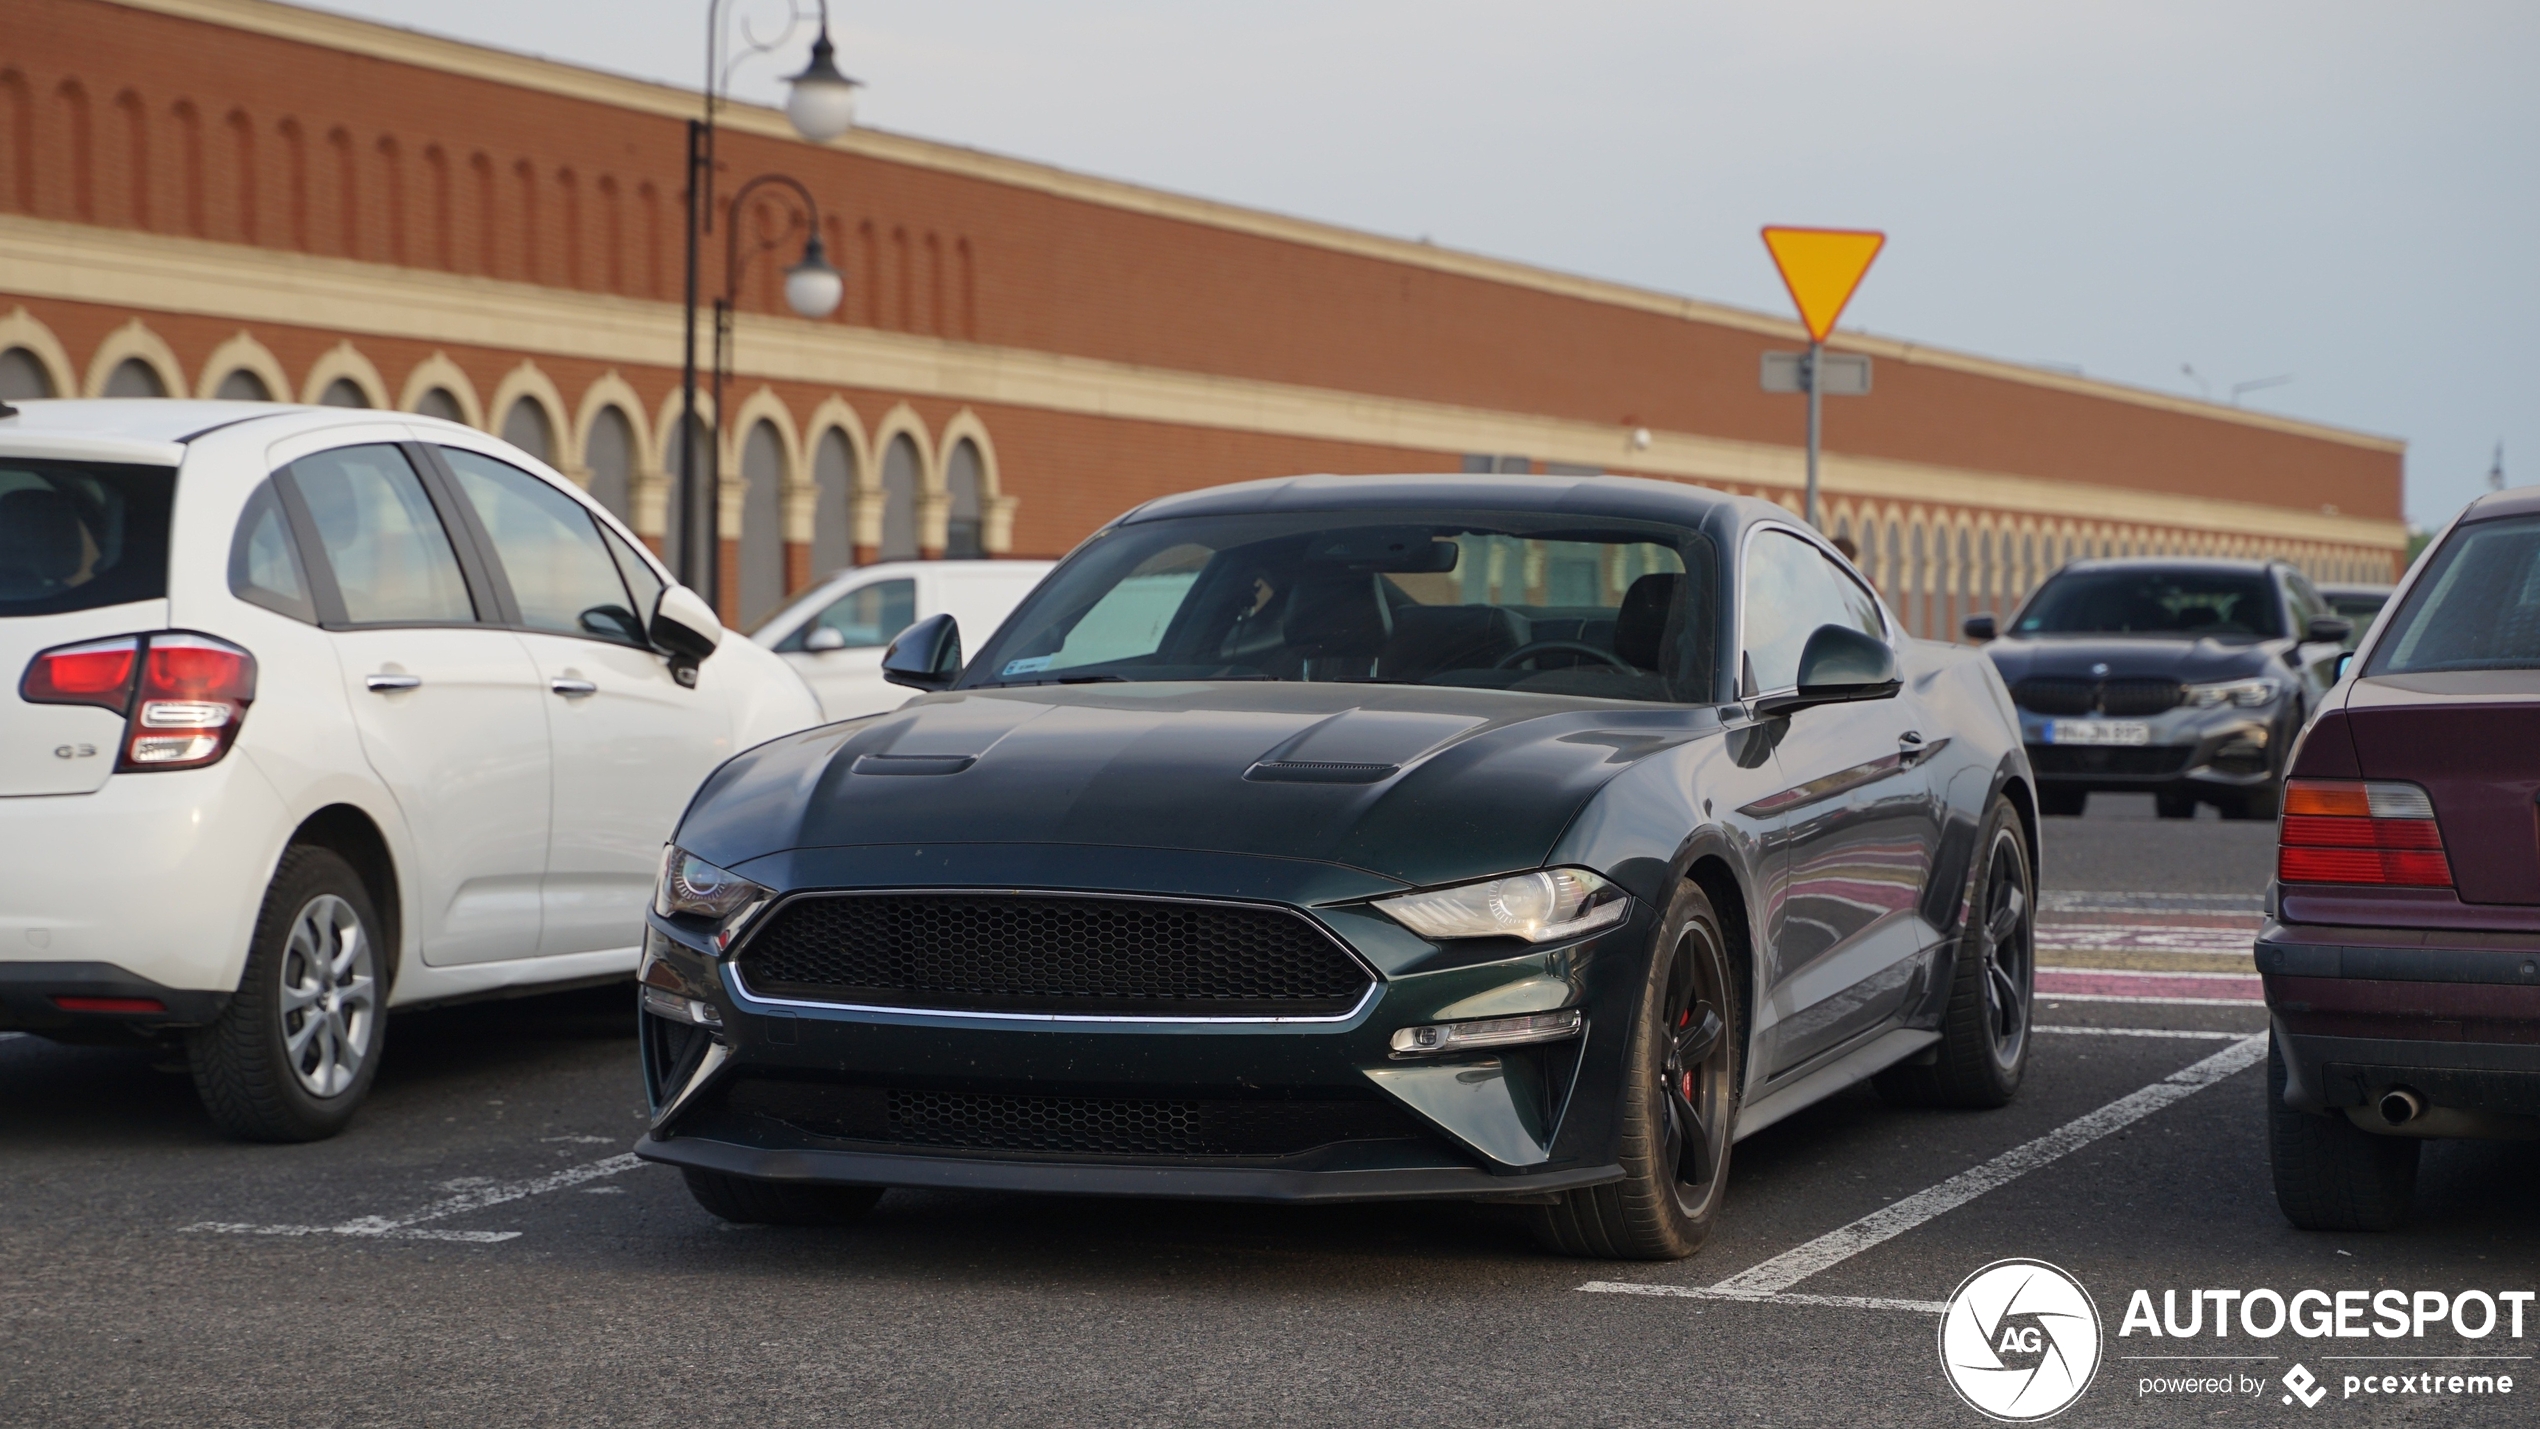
<point>1533,648</point>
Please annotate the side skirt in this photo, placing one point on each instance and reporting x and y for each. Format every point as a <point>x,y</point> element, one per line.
<point>1877,1056</point>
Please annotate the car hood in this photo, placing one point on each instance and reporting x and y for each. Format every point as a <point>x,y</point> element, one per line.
<point>1421,784</point>
<point>2135,656</point>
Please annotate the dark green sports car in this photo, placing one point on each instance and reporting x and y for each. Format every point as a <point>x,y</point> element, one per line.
<point>1513,838</point>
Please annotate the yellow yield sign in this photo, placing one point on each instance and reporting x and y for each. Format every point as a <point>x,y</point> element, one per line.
<point>1821,267</point>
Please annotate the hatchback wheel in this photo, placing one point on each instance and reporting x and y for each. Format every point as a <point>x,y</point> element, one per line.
<point>1679,1106</point>
<point>1984,1031</point>
<point>295,1051</point>
<point>2330,1174</point>
<point>749,1201</point>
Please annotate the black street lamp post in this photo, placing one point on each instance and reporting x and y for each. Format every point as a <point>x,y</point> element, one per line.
<point>821,106</point>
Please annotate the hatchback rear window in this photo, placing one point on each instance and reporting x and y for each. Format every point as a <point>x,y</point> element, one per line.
<point>2477,607</point>
<point>77,535</point>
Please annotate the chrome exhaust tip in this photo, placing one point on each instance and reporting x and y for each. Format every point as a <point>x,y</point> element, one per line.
<point>2399,1106</point>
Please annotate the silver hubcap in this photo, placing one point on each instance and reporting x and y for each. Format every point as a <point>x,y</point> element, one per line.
<point>330,1003</point>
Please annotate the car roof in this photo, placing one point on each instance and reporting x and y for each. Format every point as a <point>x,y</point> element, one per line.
<point>2218,564</point>
<point>156,428</point>
<point>1627,497</point>
<point>2519,501</point>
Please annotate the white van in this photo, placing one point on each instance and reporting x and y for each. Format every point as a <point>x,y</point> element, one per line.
<point>313,712</point>
<point>834,634</point>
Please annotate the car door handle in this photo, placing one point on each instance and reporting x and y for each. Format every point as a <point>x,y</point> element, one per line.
<point>390,684</point>
<point>573,689</point>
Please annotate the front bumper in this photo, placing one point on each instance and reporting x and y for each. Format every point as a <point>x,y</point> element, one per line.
<point>2221,750</point>
<point>2451,1016</point>
<point>1242,1109</point>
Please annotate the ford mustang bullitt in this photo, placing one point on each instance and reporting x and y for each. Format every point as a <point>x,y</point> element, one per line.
<point>1510,838</point>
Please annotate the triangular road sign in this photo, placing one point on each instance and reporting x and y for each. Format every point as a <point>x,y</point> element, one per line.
<point>1821,267</point>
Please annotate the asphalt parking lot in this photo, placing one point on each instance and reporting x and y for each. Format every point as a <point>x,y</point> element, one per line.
<point>478,1249</point>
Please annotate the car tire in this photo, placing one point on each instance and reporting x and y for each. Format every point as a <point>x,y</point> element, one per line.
<point>2330,1174</point>
<point>1688,1034</point>
<point>1984,1029</point>
<point>746,1200</point>
<point>295,1051</point>
<point>2063,803</point>
<point>2263,802</point>
<point>2174,806</point>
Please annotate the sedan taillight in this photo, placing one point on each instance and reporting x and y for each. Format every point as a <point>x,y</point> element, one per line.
<point>182,695</point>
<point>2353,831</point>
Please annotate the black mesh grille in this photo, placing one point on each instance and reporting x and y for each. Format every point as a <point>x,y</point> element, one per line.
<point>998,953</point>
<point>2057,695</point>
<point>2151,761</point>
<point>1064,1125</point>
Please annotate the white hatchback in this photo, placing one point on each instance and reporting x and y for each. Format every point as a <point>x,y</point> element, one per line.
<point>322,712</point>
<point>834,634</point>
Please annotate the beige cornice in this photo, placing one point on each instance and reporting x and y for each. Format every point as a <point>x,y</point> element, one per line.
<point>155,273</point>
<point>404,46</point>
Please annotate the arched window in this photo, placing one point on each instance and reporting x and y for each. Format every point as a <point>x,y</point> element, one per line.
<point>961,485</point>
<point>610,455</point>
<point>343,392</point>
<point>833,518</point>
<point>762,535</point>
<point>899,499</point>
<point>243,385</point>
<point>22,375</point>
<point>133,377</point>
<point>526,427</point>
<point>439,403</point>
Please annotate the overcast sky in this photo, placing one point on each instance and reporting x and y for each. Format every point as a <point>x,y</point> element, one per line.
<point>2337,191</point>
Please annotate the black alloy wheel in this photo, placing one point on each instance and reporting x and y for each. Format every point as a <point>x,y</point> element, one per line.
<point>1678,1106</point>
<point>1984,1031</point>
<point>2179,805</point>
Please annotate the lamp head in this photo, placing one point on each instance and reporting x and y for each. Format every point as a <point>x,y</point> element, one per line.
<point>821,103</point>
<point>812,287</point>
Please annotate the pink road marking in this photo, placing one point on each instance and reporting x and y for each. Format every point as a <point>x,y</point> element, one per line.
<point>2235,986</point>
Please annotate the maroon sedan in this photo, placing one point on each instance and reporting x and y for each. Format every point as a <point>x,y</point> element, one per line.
<point>2402,961</point>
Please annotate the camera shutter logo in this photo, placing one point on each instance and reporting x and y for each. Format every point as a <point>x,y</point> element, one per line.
<point>2020,1340</point>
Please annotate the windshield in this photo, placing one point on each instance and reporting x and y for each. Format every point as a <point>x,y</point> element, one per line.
<point>2477,607</point>
<point>1521,601</point>
<point>2225,605</point>
<point>76,535</point>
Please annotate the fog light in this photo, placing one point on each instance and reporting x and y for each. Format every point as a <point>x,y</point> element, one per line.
<point>1497,1032</point>
<point>695,1011</point>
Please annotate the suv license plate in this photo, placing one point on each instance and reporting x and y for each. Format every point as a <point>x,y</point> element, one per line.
<point>2098,731</point>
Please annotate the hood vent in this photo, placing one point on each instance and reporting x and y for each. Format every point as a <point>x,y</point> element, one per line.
<point>1318,771</point>
<point>913,763</point>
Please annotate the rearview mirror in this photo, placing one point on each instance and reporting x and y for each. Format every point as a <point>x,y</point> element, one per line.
<point>2326,628</point>
<point>1838,665</point>
<point>685,630</point>
<point>824,637</point>
<point>1979,628</point>
<point>926,656</point>
<point>2337,671</point>
<point>1396,550</point>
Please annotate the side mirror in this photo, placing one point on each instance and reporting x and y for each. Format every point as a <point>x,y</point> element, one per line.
<point>1838,665</point>
<point>824,637</point>
<point>2337,671</point>
<point>2325,629</point>
<point>684,629</point>
<point>926,656</point>
<point>1979,628</point>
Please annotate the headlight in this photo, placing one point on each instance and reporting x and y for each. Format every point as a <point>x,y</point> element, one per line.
<point>698,889</point>
<point>2248,694</point>
<point>1538,907</point>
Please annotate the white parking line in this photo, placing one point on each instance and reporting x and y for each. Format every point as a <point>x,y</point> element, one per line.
<point>474,1199</point>
<point>1836,1246</point>
<point>2050,998</point>
<point>2142,1032</point>
<point>1770,1282</point>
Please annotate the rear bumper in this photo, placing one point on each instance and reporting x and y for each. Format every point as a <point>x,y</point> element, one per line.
<point>96,998</point>
<point>2359,1012</point>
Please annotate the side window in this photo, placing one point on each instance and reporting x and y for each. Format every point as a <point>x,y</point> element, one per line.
<point>1791,589</point>
<point>2307,604</point>
<point>561,573</point>
<point>384,543</point>
<point>641,582</point>
<point>264,562</point>
<point>868,615</point>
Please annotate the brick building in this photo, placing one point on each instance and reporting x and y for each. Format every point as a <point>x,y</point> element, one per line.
<point>234,197</point>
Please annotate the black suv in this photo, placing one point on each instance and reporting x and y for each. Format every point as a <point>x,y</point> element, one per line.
<point>2186,679</point>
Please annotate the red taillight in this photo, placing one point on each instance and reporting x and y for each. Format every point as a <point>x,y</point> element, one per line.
<point>184,694</point>
<point>2353,831</point>
<point>143,1005</point>
<point>96,672</point>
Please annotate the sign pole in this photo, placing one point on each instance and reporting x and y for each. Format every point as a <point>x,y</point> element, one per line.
<point>1816,415</point>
